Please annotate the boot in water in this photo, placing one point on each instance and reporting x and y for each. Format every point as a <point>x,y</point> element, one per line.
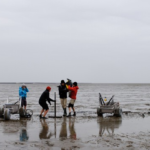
<point>44,118</point>
<point>69,115</point>
<point>65,112</point>
<point>74,114</point>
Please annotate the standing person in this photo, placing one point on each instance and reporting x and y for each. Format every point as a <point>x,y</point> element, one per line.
<point>42,101</point>
<point>63,96</point>
<point>73,94</point>
<point>23,95</point>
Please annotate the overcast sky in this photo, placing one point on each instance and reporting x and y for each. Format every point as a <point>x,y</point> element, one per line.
<point>85,40</point>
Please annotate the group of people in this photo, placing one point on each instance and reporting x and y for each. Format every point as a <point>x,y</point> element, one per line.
<point>63,89</point>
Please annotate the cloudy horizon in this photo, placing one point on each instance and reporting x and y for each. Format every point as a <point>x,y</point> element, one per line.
<point>86,41</point>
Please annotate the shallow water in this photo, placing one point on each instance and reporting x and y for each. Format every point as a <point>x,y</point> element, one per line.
<point>133,97</point>
<point>86,131</point>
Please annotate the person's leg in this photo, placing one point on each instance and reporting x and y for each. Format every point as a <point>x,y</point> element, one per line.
<point>25,103</point>
<point>69,109</point>
<point>45,112</point>
<point>65,105</point>
<point>42,111</point>
<point>73,101</point>
<point>71,106</point>
<point>61,101</point>
<point>42,105</point>
<point>22,102</point>
<point>74,111</point>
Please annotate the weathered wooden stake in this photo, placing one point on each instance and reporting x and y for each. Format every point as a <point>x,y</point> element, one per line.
<point>55,105</point>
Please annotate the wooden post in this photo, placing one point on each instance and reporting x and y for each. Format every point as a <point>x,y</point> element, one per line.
<point>55,104</point>
<point>55,108</point>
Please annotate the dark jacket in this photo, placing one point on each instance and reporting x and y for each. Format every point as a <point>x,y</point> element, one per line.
<point>62,91</point>
<point>45,97</point>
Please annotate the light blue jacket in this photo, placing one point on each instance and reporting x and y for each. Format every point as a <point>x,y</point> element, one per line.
<point>23,92</point>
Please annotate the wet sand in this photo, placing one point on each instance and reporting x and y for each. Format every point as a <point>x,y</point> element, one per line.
<point>130,132</point>
<point>86,130</point>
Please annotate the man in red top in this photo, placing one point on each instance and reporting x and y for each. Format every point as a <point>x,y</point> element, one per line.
<point>73,94</point>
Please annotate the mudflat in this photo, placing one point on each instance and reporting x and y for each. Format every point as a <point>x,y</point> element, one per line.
<point>130,132</point>
<point>86,130</point>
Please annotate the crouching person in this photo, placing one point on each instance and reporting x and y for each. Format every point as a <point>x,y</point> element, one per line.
<point>42,101</point>
<point>73,94</point>
<point>63,96</point>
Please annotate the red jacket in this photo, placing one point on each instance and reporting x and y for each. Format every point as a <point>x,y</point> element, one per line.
<point>73,91</point>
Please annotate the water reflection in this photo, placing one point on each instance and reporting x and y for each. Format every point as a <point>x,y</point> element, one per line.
<point>71,126</point>
<point>24,135</point>
<point>72,129</point>
<point>108,125</point>
<point>63,130</point>
<point>44,133</point>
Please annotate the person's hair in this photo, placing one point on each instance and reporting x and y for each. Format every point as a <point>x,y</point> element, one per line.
<point>62,81</point>
<point>23,85</point>
<point>75,84</point>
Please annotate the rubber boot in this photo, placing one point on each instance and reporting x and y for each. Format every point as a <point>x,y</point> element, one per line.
<point>69,115</point>
<point>74,114</point>
<point>65,112</point>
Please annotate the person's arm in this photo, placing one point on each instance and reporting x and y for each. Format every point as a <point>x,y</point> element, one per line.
<point>71,88</point>
<point>49,99</point>
<point>26,89</point>
<point>23,92</point>
<point>59,89</point>
<point>20,90</point>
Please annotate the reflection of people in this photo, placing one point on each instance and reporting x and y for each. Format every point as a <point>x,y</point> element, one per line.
<point>23,94</point>
<point>44,132</point>
<point>72,129</point>
<point>23,135</point>
<point>63,96</point>
<point>63,131</point>
<point>42,101</point>
<point>73,94</point>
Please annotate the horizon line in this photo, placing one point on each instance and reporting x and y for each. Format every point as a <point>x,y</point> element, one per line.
<point>78,82</point>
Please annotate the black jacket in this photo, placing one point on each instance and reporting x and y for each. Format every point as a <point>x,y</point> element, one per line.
<point>45,97</point>
<point>62,91</point>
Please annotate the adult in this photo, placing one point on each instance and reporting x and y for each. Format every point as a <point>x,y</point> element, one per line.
<point>63,96</point>
<point>23,95</point>
<point>42,101</point>
<point>73,94</point>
